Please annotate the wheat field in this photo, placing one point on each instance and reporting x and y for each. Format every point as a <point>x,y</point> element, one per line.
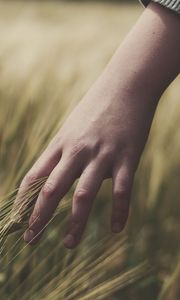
<point>50,54</point>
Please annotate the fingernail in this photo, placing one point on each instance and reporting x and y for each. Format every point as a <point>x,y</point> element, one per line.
<point>28,235</point>
<point>69,240</point>
<point>117,227</point>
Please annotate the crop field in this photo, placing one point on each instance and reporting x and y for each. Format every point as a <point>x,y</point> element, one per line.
<point>50,54</point>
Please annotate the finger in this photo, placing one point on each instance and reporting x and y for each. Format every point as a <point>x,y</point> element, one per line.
<point>42,167</point>
<point>54,189</point>
<point>122,186</point>
<point>86,190</point>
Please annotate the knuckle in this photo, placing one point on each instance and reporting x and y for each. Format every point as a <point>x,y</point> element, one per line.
<point>123,189</point>
<point>48,190</point>
<point>107,153</point>
<point>30,178</point>
<point>121,193</point>
<point>131,162</point>
<point>78,148</point>
<point>81,195</point>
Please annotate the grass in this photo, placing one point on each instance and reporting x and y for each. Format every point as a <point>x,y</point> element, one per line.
<point>50,54</point>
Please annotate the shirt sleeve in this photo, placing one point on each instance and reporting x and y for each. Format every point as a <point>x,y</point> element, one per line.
<point>171,4</point>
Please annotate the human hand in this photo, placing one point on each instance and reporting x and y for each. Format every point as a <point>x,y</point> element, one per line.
<point>105,134</point>
<point>102,138</point>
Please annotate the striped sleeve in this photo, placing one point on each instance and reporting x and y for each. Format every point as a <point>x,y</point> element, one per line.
<point>171,4</point>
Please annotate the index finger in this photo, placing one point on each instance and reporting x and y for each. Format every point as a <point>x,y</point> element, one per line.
<point>33,181</point>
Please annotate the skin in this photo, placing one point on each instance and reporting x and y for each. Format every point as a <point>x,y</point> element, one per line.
<point>106,133</point>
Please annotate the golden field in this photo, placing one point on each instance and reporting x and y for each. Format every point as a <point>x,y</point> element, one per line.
<point>50,54</point>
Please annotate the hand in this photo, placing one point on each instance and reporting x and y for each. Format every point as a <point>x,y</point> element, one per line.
<point>102,138</point>
<point>106,133</point>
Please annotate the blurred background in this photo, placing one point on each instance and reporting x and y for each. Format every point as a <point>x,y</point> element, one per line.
<point>51,52</point>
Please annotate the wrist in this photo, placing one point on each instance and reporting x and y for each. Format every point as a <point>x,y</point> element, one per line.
<point>148,59</point>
